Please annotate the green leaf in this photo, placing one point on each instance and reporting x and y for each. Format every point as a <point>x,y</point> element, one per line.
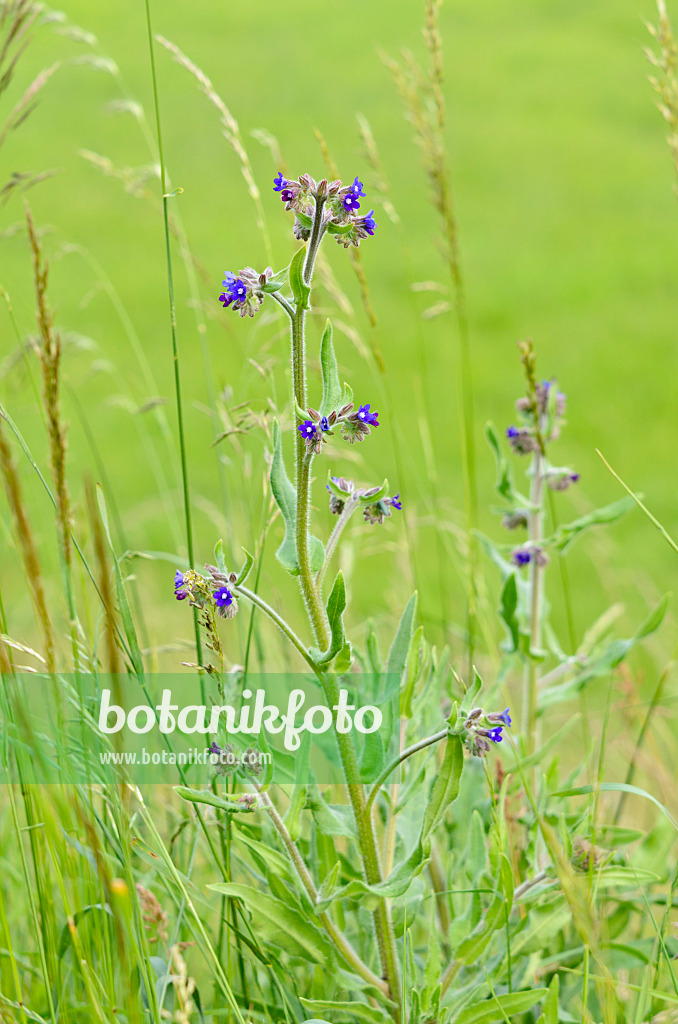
<point>278,281</point>
<point>370,499</point>
<point>565,535</point>
<point>507,611</point>
<point>332,389</point>
<point>246,569</point>
<point>300,289</point>
<point>352,1011</point>
<point>66,936</point>
<point>299,790</point>
<point>397,656</point>
<point>336,606</point>
<point>344,659</point>
<point>618,787</point>
<point>504,484</point>
<point>219,556</point>
<point>331,820</point>
<point>286,500</point>
<point>413,673</point>
<point>500,1007</point>
<point>205,796</point>
<point>446,786</point>
<point>173,194</point>
<point>372,761</point>
<point>280,924</point>
<point>549,1014</point>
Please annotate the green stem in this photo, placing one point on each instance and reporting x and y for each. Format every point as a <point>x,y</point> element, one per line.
<point>340,941</point>
<point>173,330</point>
<point>531,678</point>
<point>421,745</point>
<point>318,618</point>
<point>348,510</point>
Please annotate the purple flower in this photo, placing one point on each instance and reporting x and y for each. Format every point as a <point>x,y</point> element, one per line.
<point>325,424</point>
<point>512,431</point>
<point>215,749</point>
<point>279,182</point>
<point>368,222</point>
<point>180,594</point>
<point>350,202</point>
<point>225,299</point>
<point>368,417</point>
<point>238,290</point>
<point>307,429</point>
<point>357,188</point>
<point>521,556</point>
<point>501,716</point>
<point>223,597</point>
<point>495,734</point>
<point>396,502</point>
<point>287,195</point>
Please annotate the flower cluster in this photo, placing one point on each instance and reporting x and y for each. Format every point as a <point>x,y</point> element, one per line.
<point>340,212</point>
<point>482,730</point>
<point>202,590</point>
<point>542,415</point>
<point>522,556</point>
<point>380,510</point>
<point>374,511</point>
<point>244,291</point>
<point>355,426</point>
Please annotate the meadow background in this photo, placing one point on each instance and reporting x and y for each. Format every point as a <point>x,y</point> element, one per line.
<point>563,193</point>
<point>563,189</point>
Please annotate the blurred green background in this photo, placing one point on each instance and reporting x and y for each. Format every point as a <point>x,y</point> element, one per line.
<point>569,235</point>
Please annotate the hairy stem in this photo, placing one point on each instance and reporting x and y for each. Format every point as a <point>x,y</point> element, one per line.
<point>348,510</point>
<point>318,618</point>
<point>531,679</point>
<point>340,940</point>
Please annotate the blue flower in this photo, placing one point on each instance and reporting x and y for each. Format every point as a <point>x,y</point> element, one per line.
<point>215,749</point>
<point>521,556</point>
<point>368,222</point>
<point>350,202</point>
<point>368,417</point>
<point>238,290</point>
<point>357,188</point>
<point>279,182</point>
<point>225,299</point>
<point>180,594</point>
<point>495,734</point>
<point>512,431</point>
<point>396,502</point>
<point>223,597</point>
<point>307,428</point>
<point>500,716</point>
<point>325,425</point>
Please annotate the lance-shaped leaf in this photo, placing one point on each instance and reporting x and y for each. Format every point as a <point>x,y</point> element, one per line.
<point>332,389</point>
<point>286,500</point>
<point>397,656</point>
<point>568,533</point>
<point>283,925</point>
<point>446,786</point>
<point>300,289</point>
<point>336,606</point>
<point>246,569</point>
<point>507,610</point>
<point>500,1008</point>
<point>278,281</point>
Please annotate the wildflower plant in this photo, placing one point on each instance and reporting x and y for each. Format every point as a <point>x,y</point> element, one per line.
<point>323,209</point>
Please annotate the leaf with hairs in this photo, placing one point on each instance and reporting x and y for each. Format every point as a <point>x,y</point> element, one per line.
<point>332,389</point>
<point>283,925</point>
